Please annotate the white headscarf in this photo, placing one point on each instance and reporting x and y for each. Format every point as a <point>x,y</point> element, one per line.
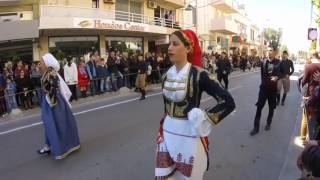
<point>51,61</point>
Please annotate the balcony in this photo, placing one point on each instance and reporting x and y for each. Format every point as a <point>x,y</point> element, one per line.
<point>67,17</point>
<point>9,2</point>
<point>224,25</point>
<point>227,6</point>
<point>174,3</point>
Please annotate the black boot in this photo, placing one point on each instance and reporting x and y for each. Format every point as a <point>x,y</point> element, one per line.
<point>84,94</point>
<point>143,94</point>
<point>254,131</point>
<point>268,127</point>
<point>283,99</point>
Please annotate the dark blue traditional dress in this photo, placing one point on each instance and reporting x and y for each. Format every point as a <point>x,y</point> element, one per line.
<point>58,120</point>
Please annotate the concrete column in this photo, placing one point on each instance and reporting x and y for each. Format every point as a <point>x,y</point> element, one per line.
<point>44,45</point>
<point>102,45</point>
<point>36,51</point>
<point>145,45</point>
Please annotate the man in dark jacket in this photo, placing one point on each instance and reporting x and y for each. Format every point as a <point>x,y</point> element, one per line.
<point>284,81</point>
<point>141,78</point>
<point>155,68</point>
<point>123,67</point>
<point>113,69</point>
<point>223,69</point>
<point>92,72</point>
<point>270,73</point>
<point>132,69</point>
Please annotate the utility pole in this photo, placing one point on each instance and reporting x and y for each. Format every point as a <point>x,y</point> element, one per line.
<point>196,14</point>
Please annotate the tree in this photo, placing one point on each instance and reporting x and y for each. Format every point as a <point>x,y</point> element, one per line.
<point>273,37</point>
<point>60,55</point>
<point>284,48</point>
<point>317,4</point>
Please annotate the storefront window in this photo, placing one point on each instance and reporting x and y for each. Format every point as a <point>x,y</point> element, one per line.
<point>16,50</point>
<point>73,46</point>
<point>125,44</point>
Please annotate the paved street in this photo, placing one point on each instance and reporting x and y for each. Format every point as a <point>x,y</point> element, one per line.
<point>118,140</point>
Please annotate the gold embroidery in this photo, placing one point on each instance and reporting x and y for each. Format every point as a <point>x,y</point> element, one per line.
<point>191,86</point>
<point>212,77</point>
<point>67,153</point>
<point>177,81</point>
<point>185,88</point>
<point>172,108</point>
<point>213,117</point>
<point>179,110</point>
<point>174,89</point>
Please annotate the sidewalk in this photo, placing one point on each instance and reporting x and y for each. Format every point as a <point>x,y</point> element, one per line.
<point>90,99</point>
<point>96,98</point>
<point>290,170</point>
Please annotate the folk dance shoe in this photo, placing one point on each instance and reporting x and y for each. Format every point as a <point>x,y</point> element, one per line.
<point>44,151</point>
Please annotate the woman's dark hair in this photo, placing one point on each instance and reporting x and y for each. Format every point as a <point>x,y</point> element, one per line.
<point>311,160</point>
<point>180,35</point>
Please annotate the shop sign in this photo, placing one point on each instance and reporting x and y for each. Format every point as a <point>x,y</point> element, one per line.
<point>108,24</point>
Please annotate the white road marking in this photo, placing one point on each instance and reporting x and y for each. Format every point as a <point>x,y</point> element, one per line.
<point>111,105</point>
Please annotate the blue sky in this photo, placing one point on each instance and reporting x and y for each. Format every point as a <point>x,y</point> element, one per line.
<point>293,16</point>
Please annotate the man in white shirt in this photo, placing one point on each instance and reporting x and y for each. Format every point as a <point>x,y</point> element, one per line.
<point>71,77</point>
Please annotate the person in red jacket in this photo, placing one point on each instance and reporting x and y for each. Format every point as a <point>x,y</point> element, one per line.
<point>82,77</point>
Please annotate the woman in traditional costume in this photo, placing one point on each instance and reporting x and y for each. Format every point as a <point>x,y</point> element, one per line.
<point>61,131</point>
<point>182,143</point>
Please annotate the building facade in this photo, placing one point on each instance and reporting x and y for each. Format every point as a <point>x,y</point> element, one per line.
<point>76,27</point>
<point>19,34</point>
<point>222,25</point>
<point>215,24</point>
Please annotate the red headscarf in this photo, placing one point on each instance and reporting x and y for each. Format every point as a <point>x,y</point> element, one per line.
<point>195,56</point>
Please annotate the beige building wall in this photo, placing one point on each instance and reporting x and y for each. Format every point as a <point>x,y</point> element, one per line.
<point>23,5</point>
<point>30,11</point>
<point>145,44</point>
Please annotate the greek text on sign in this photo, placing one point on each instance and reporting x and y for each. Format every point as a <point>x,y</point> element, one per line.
<point>109,24</point>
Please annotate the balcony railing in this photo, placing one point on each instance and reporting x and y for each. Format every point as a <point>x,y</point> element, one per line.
<point>80,12</point>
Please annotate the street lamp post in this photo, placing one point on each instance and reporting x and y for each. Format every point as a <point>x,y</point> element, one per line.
<point>190,8</point>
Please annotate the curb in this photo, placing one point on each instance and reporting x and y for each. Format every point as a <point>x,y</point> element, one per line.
<point>289,170</point>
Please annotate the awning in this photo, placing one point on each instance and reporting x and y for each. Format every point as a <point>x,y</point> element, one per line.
<point>16,30</point>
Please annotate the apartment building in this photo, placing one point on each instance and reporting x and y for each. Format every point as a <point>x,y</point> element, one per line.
<point>30,28</point>
<point>19,34</point>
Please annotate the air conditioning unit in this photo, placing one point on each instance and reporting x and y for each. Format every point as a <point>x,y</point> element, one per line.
<point>9,17</point>
<point>109,1</point>
<point>152,4</point>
